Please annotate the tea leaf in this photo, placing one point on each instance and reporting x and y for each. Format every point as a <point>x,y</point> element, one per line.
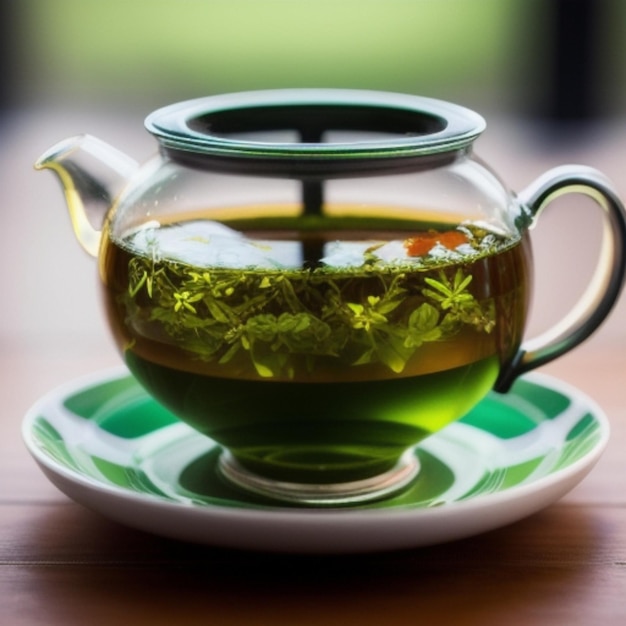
<point>278,321</point>
<point>262,327</point>
<point>393,353</point>
<point>423,326</point>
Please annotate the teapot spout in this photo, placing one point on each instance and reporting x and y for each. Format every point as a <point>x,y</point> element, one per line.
<point>92,173</point>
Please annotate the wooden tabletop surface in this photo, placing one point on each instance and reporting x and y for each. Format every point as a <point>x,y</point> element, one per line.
<point>63,564</point>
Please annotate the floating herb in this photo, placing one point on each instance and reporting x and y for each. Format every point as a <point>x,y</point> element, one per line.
<point>282,320</point>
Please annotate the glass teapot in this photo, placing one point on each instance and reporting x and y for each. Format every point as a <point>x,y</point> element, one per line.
<point>319,279</point>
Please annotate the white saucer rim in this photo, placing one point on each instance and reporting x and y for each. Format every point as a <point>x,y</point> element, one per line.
<point>577,469</point>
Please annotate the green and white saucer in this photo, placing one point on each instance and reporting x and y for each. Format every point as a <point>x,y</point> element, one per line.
<point>106,444</point>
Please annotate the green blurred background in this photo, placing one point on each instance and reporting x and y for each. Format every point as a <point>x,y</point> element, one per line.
<point>494,54</point>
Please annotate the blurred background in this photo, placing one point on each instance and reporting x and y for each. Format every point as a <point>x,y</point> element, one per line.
<point>549,76</point>
<point>553,58</point>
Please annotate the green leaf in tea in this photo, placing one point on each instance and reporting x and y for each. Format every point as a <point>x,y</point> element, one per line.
<point>423,326</point>
<point>283,320</point>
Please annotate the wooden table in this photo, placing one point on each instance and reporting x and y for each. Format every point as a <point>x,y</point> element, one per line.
<point>62,564</point>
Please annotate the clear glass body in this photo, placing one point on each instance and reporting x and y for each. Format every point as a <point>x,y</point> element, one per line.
<point>317,329</point>
<point>319,279</point>
<point>464,189</point>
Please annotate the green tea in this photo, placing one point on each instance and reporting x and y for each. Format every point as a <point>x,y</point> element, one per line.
<point>315,354</point>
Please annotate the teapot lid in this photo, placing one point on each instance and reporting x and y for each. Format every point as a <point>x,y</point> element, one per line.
<point>387,127</point>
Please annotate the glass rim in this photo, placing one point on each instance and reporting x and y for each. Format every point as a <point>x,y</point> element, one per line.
<point>417,126</point>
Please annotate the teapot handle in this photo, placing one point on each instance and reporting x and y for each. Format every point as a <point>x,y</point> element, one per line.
<point>604,288</point>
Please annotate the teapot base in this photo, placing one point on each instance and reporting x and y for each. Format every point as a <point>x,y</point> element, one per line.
<point>322,494</point>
